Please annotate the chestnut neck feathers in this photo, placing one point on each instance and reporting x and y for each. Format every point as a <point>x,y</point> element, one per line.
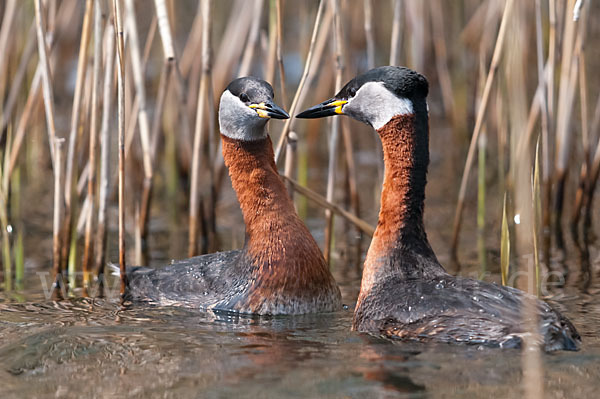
<point>400,245</point>
<point>278,245</point>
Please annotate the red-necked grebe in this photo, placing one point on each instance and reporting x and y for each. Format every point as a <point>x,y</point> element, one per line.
<point>405,293</point>
<point>280,270</point>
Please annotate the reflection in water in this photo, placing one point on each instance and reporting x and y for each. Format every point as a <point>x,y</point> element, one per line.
<point>391,378</point>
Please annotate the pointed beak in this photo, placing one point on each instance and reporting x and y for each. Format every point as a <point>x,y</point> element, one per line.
<point>331,107</point>
<point>269,109</point>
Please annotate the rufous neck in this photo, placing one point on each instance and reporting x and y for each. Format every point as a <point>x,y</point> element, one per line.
<point>258,186</point>
<point>400,244</point>
<point>406,157</point>
<point>280,258</point>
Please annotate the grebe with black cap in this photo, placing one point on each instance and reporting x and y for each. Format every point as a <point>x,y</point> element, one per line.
<point>281,269</point>
<point>405,292</point>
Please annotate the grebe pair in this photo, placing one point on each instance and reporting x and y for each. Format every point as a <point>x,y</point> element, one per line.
<point>405,292</point>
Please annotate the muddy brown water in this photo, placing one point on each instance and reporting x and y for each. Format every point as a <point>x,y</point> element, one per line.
<point>93,348</point>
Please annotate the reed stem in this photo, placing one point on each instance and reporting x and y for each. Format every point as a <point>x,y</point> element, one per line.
<point>201,117</point>
<point>396,33</point>
<point>96,92</point>
<point>46,77</point>
<point>335,128</point>
<point>118,22</point>
<point>478,125</point>
<point>300,89</point>
<point>57,278</point>
<point>107,92</point>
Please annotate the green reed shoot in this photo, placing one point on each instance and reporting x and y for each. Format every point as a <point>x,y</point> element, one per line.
<point>504,245</point>
<point>481,206</point>
<point>15,205</point>
<point>537,214</point>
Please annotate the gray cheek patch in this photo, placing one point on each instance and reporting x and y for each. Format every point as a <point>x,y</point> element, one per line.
<point>376,105</point>
<point>239,122</point>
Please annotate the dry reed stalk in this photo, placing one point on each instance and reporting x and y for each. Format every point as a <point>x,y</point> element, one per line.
<point>352,178</point>
<point>566,94</point>
<point>592,177</point>
<point>416,19</point>
<point>441,57</point>
<point>230,50</point>
<point>369,38</point>
<point>585,140</point>
<point>219,165</point>
<point>118,22</point>
<point>74,130</point>
<point>91,180</point>
<point>291,156</point>
<point>317,51</point>
<point>77,97</point>
<point>290,160</point>
<point>30,105</point>
<point>174,66</point>
<point>164,28</point>
<point>246,63</point>
<point>322,202</point>
<point>46,77</point>
<point>396,37</point>
<point>138,70</point>
<point>545,161</point>
<point>138,80</point>
<point>163,89</point>
<point>272,49</point>
<point>170,65</point>
<point>133,108</point>
<point>537,215</point>
<point>335,128</point>
<point>551,63</point>
<point>7,22</point>
<point>300,89</point>
<point>190,51</point>
<point>17,81</point>
<point>201,117</point>
<point>33,96</point>
<point>144,207</point>
<point>227,56</point>
<point>213,144</point>
<point>280,53</point>
<point>478,125</point>
<point>57,278</point>
<point>109,72</point>
<point>531,352</point>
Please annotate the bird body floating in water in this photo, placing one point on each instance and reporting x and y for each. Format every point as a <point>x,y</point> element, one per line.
<point>281,269</point>
<point>405,293</point>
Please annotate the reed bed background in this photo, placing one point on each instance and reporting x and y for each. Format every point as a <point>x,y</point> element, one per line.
<point>110,144</point>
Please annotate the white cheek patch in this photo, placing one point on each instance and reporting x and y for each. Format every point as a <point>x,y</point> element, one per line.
<point>238,121</point>
<point>375,104</point>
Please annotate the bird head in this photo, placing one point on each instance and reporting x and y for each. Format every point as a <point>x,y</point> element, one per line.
<point>376,96</point>
<point>245,108</point>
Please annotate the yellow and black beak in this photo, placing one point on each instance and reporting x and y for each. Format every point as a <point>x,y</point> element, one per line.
<point>269,110</point>
<point>331,107</point>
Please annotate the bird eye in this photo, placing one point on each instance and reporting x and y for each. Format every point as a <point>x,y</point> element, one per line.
<point>352,91</point>
<point>244,97</point>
